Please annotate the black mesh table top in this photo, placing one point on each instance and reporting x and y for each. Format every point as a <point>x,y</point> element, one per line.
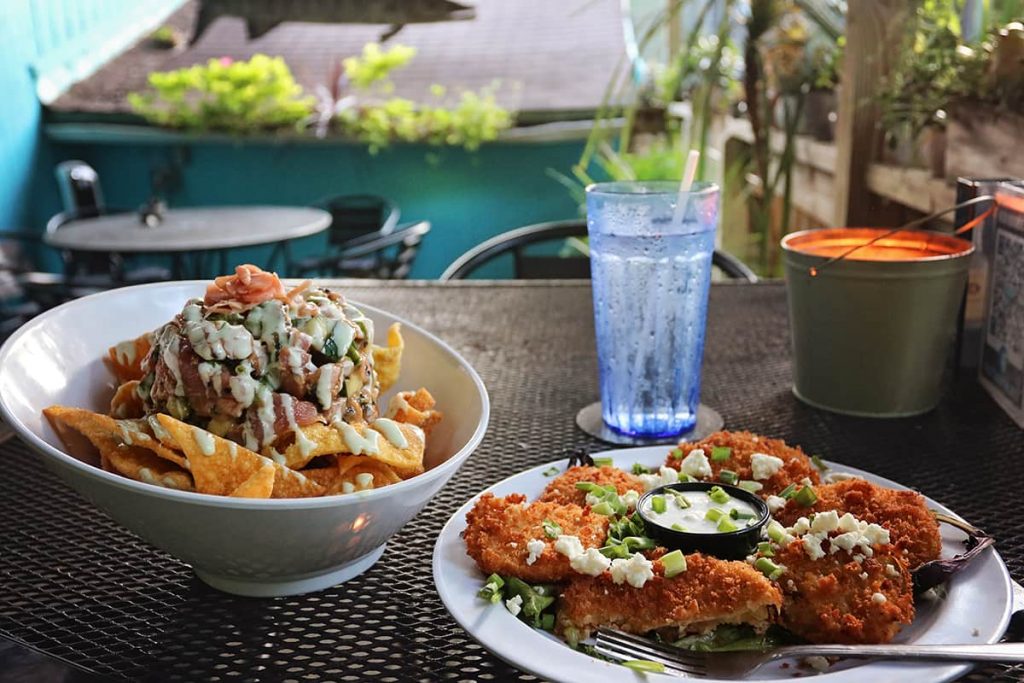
<point>77,587</point>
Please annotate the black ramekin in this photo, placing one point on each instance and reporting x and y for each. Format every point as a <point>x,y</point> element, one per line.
<point>732,545</point>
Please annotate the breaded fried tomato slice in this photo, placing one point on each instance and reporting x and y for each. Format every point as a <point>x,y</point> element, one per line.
<point>835,599</point>
<point>562,489</point>
<point>499,531</point>
<point>751,456</point>
<point>912,527</point>
<point>709,593</point>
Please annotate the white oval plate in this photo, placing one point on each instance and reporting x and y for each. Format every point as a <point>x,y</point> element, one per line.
<point>976,610</point>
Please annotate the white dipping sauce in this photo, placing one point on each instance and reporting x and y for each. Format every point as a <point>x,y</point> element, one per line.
<point>693,519</point>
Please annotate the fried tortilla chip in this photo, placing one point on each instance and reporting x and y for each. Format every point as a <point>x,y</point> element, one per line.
<point>126,402</point>
<point>139,433</point>
<point>259,485</point>
<point>369,440</point>
<point>415,408</point>
<point>143,465</point>
<point>387,360</point>
<point>353,471</point>
<point>220,466</point>
<point>325,476</point>
<point>126,357</point>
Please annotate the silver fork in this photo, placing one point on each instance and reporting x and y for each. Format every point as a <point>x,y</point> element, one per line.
<point>687,663</point>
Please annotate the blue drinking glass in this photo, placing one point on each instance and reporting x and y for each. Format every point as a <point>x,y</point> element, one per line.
<point>651,272</point>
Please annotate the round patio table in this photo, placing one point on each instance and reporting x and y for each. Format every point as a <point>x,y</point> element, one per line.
<point>192,230</point>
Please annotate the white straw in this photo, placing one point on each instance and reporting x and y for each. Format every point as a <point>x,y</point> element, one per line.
<point>689,173</point>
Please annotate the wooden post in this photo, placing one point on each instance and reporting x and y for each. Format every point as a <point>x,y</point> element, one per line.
<point>874,35</point>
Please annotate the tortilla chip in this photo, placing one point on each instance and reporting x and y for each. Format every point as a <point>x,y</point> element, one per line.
<point>327,440</point>
<point>126,402</point>
<point>139,433</point>
<point>126,357</point>
<point>351,466</point>
<point>387,360</point>
<point>325,476</point>
<point>220,466</point>
<point>259,485</point>
<point>414,408</point>
<point>82,434</point>
<point>142,465</point>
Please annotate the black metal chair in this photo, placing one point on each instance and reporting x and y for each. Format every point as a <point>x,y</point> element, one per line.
<point>385,256</point>
<point>529,267</point>
<point>353,217</point>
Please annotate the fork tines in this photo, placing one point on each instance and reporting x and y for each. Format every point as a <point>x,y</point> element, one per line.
<point>625,646</point>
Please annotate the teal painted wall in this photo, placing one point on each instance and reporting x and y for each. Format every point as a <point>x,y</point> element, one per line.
<point>44,45</point>
<point>467,197</point>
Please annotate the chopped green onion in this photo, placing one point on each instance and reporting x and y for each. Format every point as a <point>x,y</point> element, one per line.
<point>765,548</point>
<point>788,492</point>
<point>736,514</point>
<point>353,354</point>
<point>551,529</point>
<point>492,589</point>
<point>644,666</point>
<point>768,568</point>
<point>681,500</point>
<point>684,477</point>
<point>674,563</point>
<point>776,531</point>
<point>640,469</point>
<point>331,349</point>
<point>547,621</point>
<point>615,551</point>
<point>714,514</point>
<point>551,471</point>
<point>806,497</point>
<point>634,543</point>
<point>602,462</point>
<point>676,454</point>
<point>658,503</point>
<point>589,487</point>
<point>819,463</point>
<point>678,527</point>
<point>750,486</point>
<point>720,453</point>
<point>718,494</point>
<point>728,477</point>
<point>604,508</point>
<point>725,525</point>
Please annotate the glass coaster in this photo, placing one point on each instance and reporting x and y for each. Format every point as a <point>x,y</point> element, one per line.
<point>589,420</point>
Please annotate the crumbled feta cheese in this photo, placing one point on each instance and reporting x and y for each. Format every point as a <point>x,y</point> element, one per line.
<point>591,563</point>
<point>806,481</point>
<point>790,584</point>
<point>764,466</point>
<point>816,662</point>
<point>864,576</point>
<point>812,544</point>
<point>569,546</point>
<point>825,522</point>
<point>847,542</point>
<point>636,571</point>
<point>696,464</point>
<point>848,523</point>
<point>593,499</point>
<point>535,548</point>
<point>802,526</point>
<point>650,481</point>
<point>514,604</point>
<point>858,558</point>
<point>665,475</point>
<point>775,503</point>
<point>876,535</point>
<point>878,598</point>
<point>892,571</point>
<point>668,475</point>
<point>630,498</point>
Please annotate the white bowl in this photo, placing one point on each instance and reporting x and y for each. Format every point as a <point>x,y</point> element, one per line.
<point>244,546</point>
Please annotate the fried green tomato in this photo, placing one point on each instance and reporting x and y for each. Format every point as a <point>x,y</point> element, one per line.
<point>711,592</point>
<point>912,527</point>
<point>796,466</point>
<point>836,599</point>
<point>562,489</point>
<point>499,531</point>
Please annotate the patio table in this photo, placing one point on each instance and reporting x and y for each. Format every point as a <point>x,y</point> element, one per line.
<point>77,586</point>
<point>192,230</point>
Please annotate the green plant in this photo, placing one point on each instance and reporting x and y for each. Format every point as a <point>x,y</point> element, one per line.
<point>225,95</point>
<point>474,118</point>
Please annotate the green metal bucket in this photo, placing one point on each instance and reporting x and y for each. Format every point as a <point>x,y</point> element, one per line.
<point>872,337</point>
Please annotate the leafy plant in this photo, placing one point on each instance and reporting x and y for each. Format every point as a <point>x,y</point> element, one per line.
<point>375,65</point>
<point>225,95</point>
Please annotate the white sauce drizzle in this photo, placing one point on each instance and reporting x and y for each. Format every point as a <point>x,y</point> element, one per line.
<point>325,385</point>
<point>367,444</point>
<point>391,431</point>
<point>204,440</point>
